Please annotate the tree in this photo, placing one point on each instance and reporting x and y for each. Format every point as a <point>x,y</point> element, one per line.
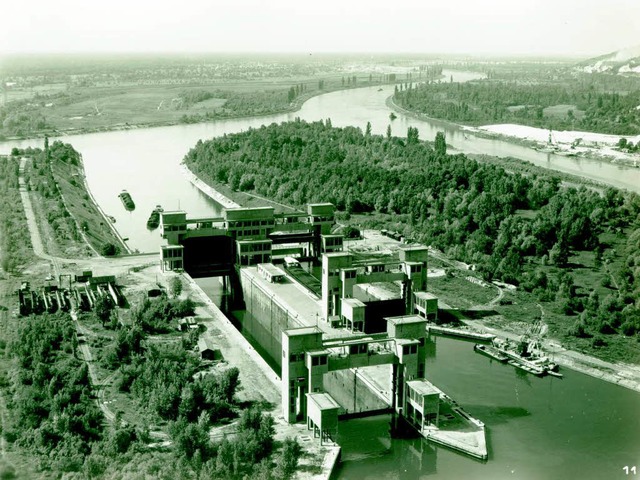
<point>388,132</point>
<point>412,135</point>
<point>103,308</point>
<point>440,145</point>
<point>287,461</point>
<point>190,438</point>
<point>367,131</point>
<point>175,286</point>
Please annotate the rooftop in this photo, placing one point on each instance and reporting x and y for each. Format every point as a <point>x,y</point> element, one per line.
<point>324,401</point>
<point>354,302</point>
<point>413,247</point>
<point>206,344</point>
<point>271,268</point>
<point>292,332</point>
<point>380,290</point>
<point>423,387</point>
<point>406,319</point>
<point>425,296</point>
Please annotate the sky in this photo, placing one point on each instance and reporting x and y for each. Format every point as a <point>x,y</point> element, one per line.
<point>475,27</point>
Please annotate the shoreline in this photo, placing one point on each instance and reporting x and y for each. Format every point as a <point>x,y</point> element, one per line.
<point>622,374</point>
<point>95,203</point>
<point>486,132</point>
<point>294,106</point>
<point>216,196</point>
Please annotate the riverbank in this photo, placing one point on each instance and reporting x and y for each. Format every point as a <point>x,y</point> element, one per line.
<point>295,105</point>
<point>590,145</point>
<point>597,146</point>
<point>93,224</point>
<point>623,374</point>
<point>229,198</point>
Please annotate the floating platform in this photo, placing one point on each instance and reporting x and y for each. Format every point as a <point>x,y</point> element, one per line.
<point>528,367</point>
<point>535,363</point>
<point>460,333</point>
<point>491,352</point>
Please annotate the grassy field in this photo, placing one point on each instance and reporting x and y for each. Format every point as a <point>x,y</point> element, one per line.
<point>93,108</point>
<point>73,108</point>
<point>448,289</point>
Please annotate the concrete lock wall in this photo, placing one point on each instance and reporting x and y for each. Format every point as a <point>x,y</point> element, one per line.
<point>352,393</point>
<point>269,319</point>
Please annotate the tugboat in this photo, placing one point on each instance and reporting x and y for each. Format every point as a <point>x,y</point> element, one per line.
<point>127,201</point>
<point>154,218</point>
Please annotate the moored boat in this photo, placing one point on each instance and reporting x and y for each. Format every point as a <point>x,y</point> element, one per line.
<point>527,367</point>
<point>554,373</point>
<point>491,352</point>
<point>127,201</point>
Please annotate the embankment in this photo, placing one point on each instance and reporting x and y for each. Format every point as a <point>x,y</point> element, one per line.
<point>625,375</point>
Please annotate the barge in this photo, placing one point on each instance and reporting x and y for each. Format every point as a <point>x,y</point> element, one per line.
<point>127,201</point>
<point>530,361</point>
<point>154,218</point>
<point>528,367</point>
<point>491,352</point>
<point>460,333</point>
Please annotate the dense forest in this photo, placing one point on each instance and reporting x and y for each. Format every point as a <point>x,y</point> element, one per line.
<point>507,224</point>
<point>555,105</point>
<point>53,414</point>
<point>15,246</point>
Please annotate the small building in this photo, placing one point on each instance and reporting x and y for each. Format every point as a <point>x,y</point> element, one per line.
<point>422,403</point>
<point>331,243</point>
<point>171,258</point>
<point>187,323</point>
<point>208,350</point>
<point>426,305</point>
<point>322,416</point>
<point>271,273</point>
<point>353,314</point>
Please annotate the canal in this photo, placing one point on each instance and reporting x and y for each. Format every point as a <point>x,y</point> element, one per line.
<point>537,428</point>
<point>577,427</point>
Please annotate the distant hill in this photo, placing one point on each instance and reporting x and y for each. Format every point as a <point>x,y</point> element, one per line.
<point>626,61</point>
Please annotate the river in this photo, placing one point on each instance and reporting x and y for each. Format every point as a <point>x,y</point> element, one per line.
<point>145,161</point>
<point>578,427</point>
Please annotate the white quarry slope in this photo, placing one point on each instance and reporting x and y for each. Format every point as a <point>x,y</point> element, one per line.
<point>625,61</point>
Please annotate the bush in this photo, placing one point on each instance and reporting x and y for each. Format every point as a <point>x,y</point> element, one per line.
<point>598,341</point>
<point>578,330</point>
<point>629,328</point>
<point>109,250</point>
